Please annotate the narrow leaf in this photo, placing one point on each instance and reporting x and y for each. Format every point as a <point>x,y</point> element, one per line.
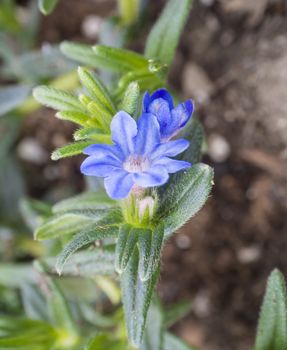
<point>184,196</point>
<point>70,150</point>
<point>150,243</point>
<point>74,116</point>
<point>92,133</point>
<point>57,99</point>
<point>164,36</point>
<point>120,60</point>
<point>61,225</point>
<point>107,228</point>
<point>47,6</point>
<point>272,328</point>
<point>136,296</point>
<point>125,246</point>
<point>83,201</point>
<point>131,98</point>
<point>96,88</point>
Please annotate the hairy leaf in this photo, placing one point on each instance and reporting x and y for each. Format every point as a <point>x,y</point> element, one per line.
<point>70,150</point>
<point>74,116</point>
<point>184,196</point>
<point>131,98</point>
<point>96,88</point>
<point>136,295</point>
<point>126,243</point>
<point>92,133</point>
<point>163,38</point>
<point>194,134</point>
<point>59,226</point>
<point>272,328</point>
<point>57,99</point>
<point>120,60</point>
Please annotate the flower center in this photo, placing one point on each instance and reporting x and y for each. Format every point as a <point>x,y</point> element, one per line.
<point>136,164</point>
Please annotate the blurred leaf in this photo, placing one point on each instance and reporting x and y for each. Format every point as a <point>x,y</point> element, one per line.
<point>193,132</point>
<point>85,201</point>
<point>57,99</point>
<point>153,336</point>
<point>33,302</point>
<point>120,60</point>
<point>184,196</point>
<point>16,275</point>
<point>34,212</point>
<point>272,328</point>
<point>96,89</point>
<point>106,341</point>
<point>66,224</point>
<point>87,263</point>
<point>72,149</point>
<point>38,65</point>
<point>106,228</point>
<point>129,11</point>
<point>173,343</point>
<point>58,306</point>
<point>131,98</point>
<point>136,296</point>
<point>176,312</point>
<point>12,96</point>
<point>81,53</point>
<point>164,36</point>
<point>47,6</point>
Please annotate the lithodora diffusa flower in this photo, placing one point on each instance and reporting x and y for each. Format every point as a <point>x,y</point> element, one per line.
<point>171,119</point>
<point>137,157</point>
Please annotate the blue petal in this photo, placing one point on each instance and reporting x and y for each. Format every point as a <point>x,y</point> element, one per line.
<point>94,166</point>
<point>170,149</point>
<point>103,151</point>
<point>146,102</point>
<point>148,136</point>
<point>172,165</point>
<point>155,176</point>
<point>163,94</point>
<point>124,129</point>
<point>181,114</point>
<point>161,110</point>
<point>118,184</point>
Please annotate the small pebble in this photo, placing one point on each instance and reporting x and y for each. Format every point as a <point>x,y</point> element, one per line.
<point>31,151</point>
<point>218,148</point>
<point>91,26</point>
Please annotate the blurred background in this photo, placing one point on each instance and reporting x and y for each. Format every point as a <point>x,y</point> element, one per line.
<point>232,61</point>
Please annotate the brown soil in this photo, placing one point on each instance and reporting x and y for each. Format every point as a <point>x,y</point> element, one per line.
<point>232,61</point>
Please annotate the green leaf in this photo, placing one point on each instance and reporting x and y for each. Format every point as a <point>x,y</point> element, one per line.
<point>106,228</point>
<point>149,243</point>
<point>153,337</point>
<point>126,243</point>
<point>120,60</point>
<point>100,115</point>
<point>13,96</point>
<point>176,312</point>
<point>82,53</point>
<point>84,201</point>
<point>70,150</point>
<point>47,6</point>
<point>74,116</point>
<point>87,263</point>
<point>15,275</point>
<point>92,133</point>
<point>173,343</point>
<point>184,196</point>
<point>58,306</point>
<point>272,328</point>
<point>97,90</point>
<point>106,341</point>
<point>136,295</point>
<point>164,36</point>
<point>193,132</point>
<point>131,98</point>
<point>57,99</point>
<point>66,224</point>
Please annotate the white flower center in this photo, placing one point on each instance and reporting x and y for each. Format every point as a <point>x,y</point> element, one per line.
<point>136,164</point>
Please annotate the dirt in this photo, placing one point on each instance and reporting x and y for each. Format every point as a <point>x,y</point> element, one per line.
<point>232,61</point>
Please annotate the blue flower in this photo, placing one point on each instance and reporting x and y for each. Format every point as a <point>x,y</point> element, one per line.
<point>137,156</point>
<point>171,120</point>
